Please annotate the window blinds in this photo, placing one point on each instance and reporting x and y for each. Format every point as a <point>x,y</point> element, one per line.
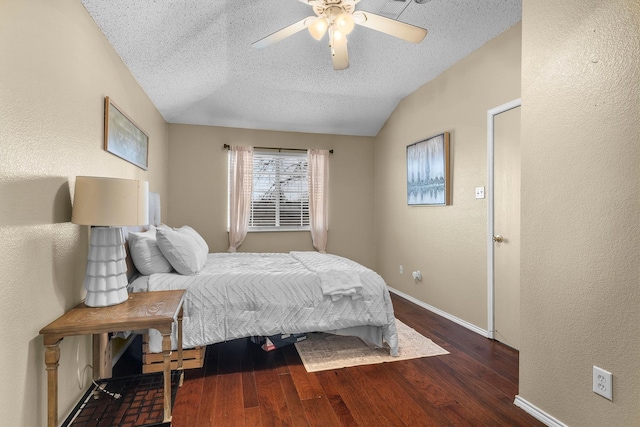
<point>280,196</point>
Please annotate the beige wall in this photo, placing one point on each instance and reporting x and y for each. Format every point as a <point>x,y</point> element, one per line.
<point>581,208</point>
<point>55,70</point>
<point>447,244</point>
<point>198,177</point>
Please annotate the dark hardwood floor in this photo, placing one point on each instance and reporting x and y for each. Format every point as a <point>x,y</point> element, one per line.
<point>240,385</point>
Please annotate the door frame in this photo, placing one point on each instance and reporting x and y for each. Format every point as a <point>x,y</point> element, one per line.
<point>490,212</point>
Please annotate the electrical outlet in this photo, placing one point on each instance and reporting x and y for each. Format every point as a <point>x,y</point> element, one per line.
<point>401,270</point>
<point>603,383</point>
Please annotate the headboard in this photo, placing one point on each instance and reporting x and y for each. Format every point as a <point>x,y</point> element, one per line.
<point>155,210</point>
<point>155,218</point>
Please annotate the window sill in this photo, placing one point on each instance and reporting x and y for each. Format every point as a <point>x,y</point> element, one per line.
<point>272,229</point>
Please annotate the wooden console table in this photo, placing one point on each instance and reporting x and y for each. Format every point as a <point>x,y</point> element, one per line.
<point>143,310</point>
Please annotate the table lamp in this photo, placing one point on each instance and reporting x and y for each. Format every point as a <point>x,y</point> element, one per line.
<point>107,204</point>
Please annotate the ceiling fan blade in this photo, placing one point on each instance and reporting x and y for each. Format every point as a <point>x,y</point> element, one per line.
<point>339,55</point>
<point>403,31</point>
<point>283,33</point>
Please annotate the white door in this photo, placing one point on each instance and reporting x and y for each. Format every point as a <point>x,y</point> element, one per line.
<point>506,227</point>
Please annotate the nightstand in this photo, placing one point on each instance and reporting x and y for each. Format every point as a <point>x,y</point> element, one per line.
<point>143,310</point>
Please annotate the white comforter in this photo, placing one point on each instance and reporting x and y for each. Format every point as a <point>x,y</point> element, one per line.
<point>248,294</point>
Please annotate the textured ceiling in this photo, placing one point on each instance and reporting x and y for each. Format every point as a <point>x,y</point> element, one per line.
<point>195,61</point>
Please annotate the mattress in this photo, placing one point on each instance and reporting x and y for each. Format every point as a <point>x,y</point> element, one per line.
<point>239,295</point>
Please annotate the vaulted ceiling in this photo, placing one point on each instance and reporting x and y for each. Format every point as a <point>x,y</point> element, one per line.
<point>195,60</point>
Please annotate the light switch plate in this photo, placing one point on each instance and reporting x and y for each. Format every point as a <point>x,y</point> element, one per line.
<point>479,192</point>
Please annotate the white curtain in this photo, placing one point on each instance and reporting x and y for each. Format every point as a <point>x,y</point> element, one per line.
<point>240,187</point>
<point>318,197</point>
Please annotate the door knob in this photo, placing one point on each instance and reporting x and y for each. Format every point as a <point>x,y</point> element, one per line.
<point>498,238</point>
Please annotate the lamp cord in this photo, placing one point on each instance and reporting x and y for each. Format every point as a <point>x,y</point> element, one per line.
<point>104,390</point>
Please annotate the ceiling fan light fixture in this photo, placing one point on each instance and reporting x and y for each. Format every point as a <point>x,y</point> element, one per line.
<point>318,27</point>
<point>344,23</point>
<point>337,18</point>
<point>338,36</point>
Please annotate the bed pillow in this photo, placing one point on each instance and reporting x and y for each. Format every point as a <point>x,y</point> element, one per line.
<point>202,244</point>
<point>183,251</point>
<point>146,254</point>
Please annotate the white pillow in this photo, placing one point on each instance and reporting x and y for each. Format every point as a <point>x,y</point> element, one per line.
<point>146,254</point>
<point>185,253</point>
<point>202,244</point>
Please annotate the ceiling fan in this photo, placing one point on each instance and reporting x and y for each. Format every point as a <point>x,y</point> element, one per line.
<point>338,17</point>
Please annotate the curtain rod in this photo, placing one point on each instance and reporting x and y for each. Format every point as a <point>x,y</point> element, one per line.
<point>228,147</point>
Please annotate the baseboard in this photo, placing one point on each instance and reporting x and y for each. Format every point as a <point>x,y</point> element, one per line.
<point>537,413</point>
<point>439,312</point>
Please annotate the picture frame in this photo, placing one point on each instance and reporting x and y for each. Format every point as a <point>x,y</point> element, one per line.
<point>428,180</point>
<point>123,137</point>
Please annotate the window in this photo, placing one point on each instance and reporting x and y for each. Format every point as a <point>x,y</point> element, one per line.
<point>280,198</point>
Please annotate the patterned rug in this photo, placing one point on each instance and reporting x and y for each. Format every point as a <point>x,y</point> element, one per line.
<point>321,352</point>
<point>140,402</point>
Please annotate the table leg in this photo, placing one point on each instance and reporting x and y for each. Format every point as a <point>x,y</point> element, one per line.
<point>180,367</point>
<point>166,353</point>
<point>51,359</point>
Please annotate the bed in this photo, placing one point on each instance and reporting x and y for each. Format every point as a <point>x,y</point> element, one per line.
<point>237,295</point>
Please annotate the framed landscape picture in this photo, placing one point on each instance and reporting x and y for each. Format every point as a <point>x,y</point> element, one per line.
<point>428,171</point>
<point>123,137</point>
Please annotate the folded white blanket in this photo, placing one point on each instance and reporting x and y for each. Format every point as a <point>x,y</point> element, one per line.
<point>341,283</point>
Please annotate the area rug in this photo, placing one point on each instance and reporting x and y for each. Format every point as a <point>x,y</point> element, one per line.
<point>321,352</point>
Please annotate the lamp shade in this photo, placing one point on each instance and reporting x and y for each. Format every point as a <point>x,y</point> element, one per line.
<point>344,22</point>
<point>110,201</point>
<point>318,27</point>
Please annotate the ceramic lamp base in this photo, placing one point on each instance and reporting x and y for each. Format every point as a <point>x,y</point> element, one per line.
<point>106,278</point>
